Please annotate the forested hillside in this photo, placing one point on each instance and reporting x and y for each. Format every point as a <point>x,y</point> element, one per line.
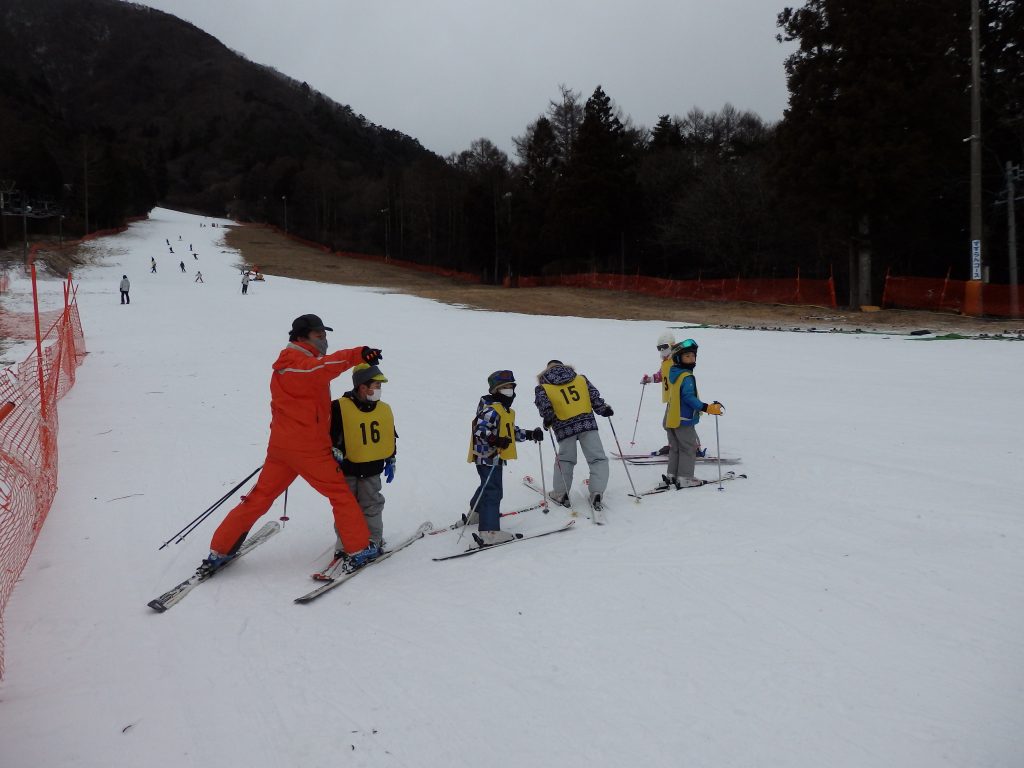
<point>109,107</point>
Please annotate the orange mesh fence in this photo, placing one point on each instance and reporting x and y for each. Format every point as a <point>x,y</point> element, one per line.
<point>29,393</point>
<point>767,290</point>
<point>944,295</point>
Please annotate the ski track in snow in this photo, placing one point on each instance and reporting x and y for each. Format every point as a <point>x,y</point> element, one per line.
<point>856,602</point>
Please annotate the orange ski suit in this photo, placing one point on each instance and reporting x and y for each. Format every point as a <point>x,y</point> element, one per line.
<point>300,446</point>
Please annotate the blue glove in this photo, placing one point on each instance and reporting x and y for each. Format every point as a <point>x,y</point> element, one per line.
<point>389,469</point>
<point>338,455</point>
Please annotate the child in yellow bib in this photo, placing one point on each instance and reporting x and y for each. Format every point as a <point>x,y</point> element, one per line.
<point>666,341</point>
<point>364,443</point>
<point>492,443</point>
<point>682,412</point>
<point>567,403</point>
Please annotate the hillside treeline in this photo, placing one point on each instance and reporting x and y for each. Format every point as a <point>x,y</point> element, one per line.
<point>127,107</point>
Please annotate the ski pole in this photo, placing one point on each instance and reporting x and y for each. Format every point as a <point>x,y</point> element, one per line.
<point>180,535</point>
<point>479,495</point>
<point>209,511</point>
<point>543,483</point>
<point>718,448</point>
<point>643,388</point>
<point>635,494</point>
<point>558,465</point>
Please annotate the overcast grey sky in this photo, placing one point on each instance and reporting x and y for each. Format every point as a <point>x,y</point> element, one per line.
<point>449,71</point>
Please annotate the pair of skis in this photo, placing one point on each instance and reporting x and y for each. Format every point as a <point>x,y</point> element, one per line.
<point>333,579</point>
<point>597,514</point>
<point>175,594</point>
<point>658,489</point>
<point>652,459</point>
<point>462,521</point>
<point>480,547</point>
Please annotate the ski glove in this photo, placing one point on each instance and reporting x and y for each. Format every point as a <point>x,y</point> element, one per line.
<point>715,408</point>
<point>389,469</point>
<point>537,435</point>
<point>338,455</point>
<point>606,411</point>
<point>372,356</point>
<point>548,423</point>
<point>646,379</point>
<point>656,378</point>
<point>500,442</point>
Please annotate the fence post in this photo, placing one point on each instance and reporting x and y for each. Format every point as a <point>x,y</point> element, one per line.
<point>945,283</point>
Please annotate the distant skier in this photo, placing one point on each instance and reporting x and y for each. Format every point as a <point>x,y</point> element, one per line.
<point>166,240</point>
<point>300,445</point>
<point>171,250</point>
<point>152,265</point>
<point>245,283</point>
<point>682,413</point>
<point>182,265</point>
<point>364,439</point>
<point>125,287</point>
<point>492,444</point>
<point>195,256</point>
<point>567,402</point>
<point>190,247</point>
<point>199,277</point>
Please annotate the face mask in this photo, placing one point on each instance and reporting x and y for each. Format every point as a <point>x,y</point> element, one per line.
<point>665,352</point>
<point>320,344</point>
<point>507,391</point>
<point>373,395</point>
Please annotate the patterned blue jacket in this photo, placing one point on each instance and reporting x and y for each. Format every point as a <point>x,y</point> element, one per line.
<point>485,425</point>
<point>585,422</point>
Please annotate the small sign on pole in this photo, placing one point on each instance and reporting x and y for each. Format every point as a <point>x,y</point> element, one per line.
<point>975,259</point>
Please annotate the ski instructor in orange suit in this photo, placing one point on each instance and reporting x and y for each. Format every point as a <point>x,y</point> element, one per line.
<point>300,439</point>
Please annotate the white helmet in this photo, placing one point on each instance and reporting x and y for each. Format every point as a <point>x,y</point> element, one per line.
<point>666,341</point>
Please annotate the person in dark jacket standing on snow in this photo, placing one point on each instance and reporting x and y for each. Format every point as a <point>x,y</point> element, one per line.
<point>300,445</point>
<point>364,438</point>
<point>567,403</point>
<point>125,287</point>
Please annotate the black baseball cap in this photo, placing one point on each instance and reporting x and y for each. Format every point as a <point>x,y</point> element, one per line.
<point>303,324</point>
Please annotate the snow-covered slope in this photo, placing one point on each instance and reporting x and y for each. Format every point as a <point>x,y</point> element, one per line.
<point>856,602</point>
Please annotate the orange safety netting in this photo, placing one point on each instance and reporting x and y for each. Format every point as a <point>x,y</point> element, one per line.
<point>761,290</point>
<point>29,393</point>
<point>944,295</point>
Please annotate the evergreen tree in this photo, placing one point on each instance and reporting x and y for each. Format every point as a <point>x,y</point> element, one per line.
<point>598,190</point>
<point>873,134</point>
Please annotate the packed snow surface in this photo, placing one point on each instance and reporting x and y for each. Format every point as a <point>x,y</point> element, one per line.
<point>856,602</point>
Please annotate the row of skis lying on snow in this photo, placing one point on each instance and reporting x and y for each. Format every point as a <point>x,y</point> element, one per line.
<point>336,573</point>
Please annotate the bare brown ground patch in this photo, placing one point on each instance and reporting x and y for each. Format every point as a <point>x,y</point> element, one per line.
<point>278,255</point>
